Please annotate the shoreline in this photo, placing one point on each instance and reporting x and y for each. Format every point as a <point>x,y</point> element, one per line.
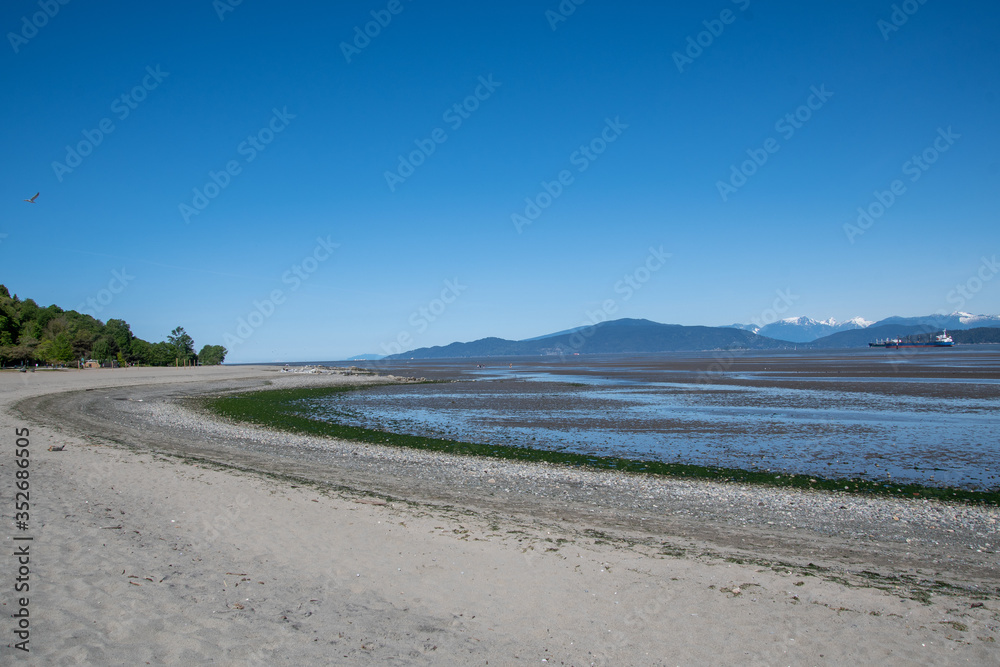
<point>877,553</point>
<point>265,408</point>
<point>883,532</point>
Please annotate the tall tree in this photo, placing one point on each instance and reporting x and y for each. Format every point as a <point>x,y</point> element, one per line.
<point>182,343</point>
<point>120,332</point>
<point>62,350</point>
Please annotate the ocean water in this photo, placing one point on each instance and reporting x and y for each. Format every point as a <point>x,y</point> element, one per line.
<point>932,418</point>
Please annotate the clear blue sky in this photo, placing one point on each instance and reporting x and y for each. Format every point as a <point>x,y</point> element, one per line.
<point>662,132</point>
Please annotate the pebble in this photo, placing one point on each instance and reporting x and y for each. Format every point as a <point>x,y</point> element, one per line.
<point>774,509</point>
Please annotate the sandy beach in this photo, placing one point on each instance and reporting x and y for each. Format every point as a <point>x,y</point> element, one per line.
<point>162,536</point>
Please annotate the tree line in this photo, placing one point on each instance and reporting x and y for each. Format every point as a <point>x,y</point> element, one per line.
<point>30,334</point>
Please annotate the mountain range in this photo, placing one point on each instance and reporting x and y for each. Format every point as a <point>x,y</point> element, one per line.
<point>805,329</point>
<point>636,336</point>
<point>625,336</point>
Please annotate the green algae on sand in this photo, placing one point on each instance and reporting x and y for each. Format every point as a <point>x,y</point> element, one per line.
<point>276,408</point>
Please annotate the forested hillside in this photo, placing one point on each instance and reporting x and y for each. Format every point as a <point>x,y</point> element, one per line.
<point>30,334</point>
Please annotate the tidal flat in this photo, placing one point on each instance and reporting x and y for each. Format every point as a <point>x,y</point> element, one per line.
<point>884,418</point>
<point>247,544</point>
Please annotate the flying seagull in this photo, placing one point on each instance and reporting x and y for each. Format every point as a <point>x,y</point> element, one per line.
<point>32,200</point>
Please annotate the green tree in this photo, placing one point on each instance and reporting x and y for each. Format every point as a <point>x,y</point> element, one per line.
<point>30,333</point>
<point>182,343</point>
<point>24,351</point>
<point>140,351</point>
<point>43,352</point>
<point>62,350</point>
<point>82,343</point>
<point>120,332</point>
<point>212,355</point>
<point>29,312</point>
<point>9,327</point>
<point>162,354</point>
<point>102,349</point>
<point>55,326</point>
<point>45,316</point>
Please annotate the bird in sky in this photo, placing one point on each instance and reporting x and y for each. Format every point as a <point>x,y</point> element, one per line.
<point>32,200</point>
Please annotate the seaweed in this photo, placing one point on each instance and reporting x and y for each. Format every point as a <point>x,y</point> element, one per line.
<point>276,408</point>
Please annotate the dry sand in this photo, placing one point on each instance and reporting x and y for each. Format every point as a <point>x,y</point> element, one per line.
<point>143,553</point>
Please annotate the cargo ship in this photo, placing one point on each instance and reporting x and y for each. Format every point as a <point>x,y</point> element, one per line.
<point>940,340</point>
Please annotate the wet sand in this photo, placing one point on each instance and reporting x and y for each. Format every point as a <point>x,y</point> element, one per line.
<point>926,417</point>
<point>163,536</point>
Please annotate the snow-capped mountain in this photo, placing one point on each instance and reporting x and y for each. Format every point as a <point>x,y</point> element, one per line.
<point>857,322</point>
<point>972,321</point>
<point>806,329</point>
